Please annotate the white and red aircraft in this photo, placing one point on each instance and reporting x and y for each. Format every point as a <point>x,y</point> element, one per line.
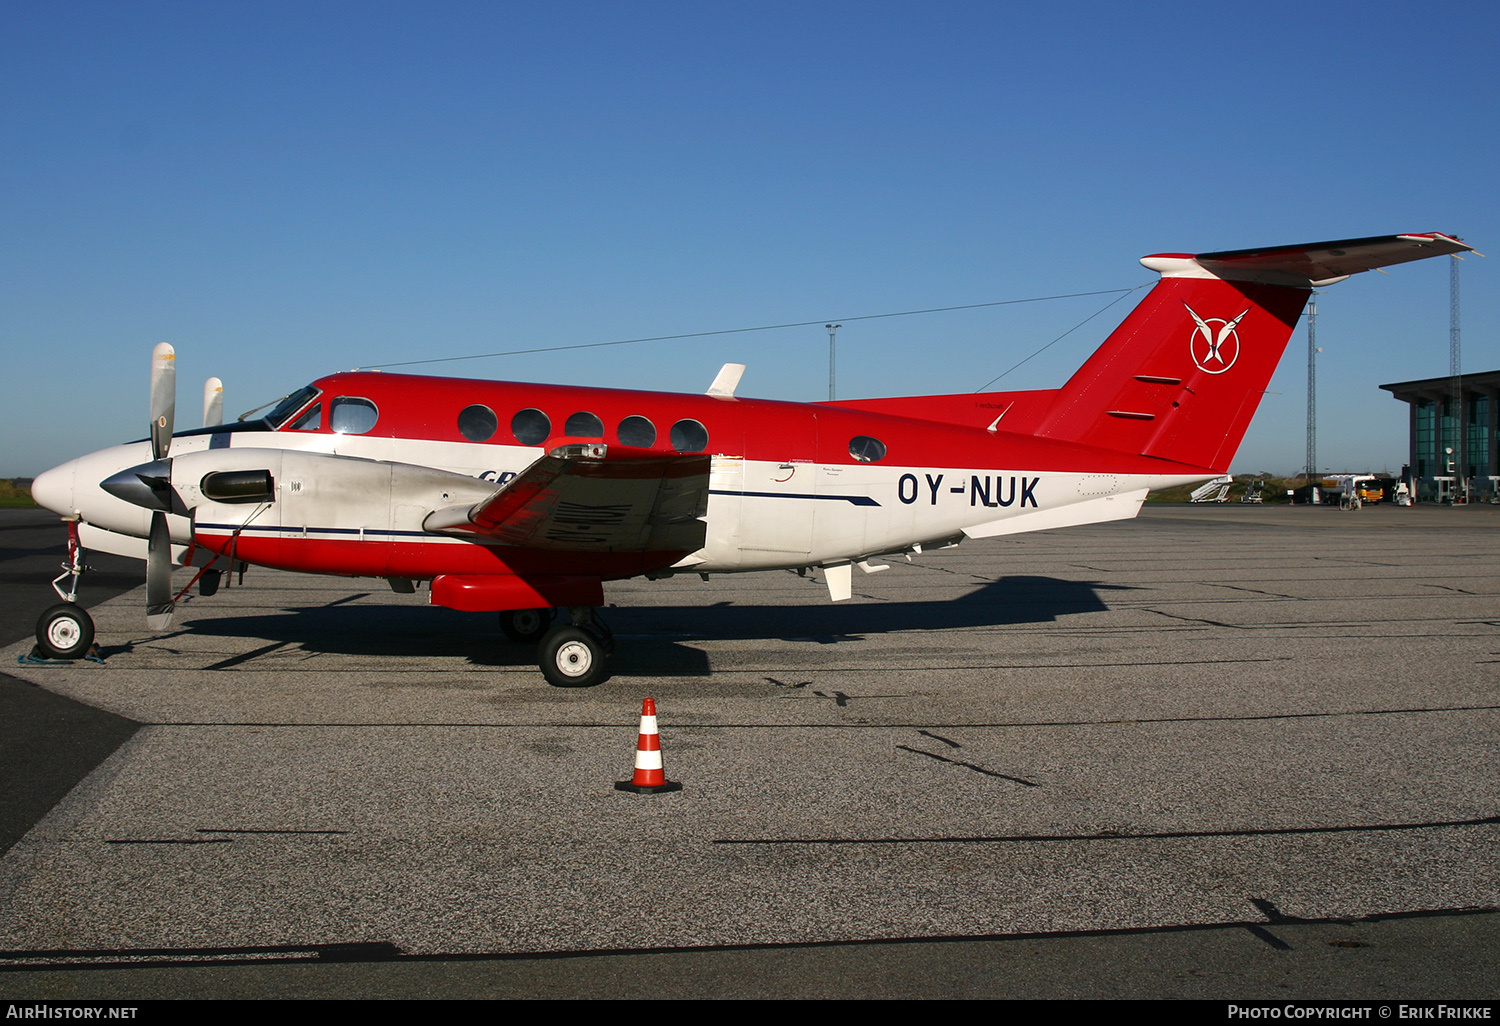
<point>522,498</point>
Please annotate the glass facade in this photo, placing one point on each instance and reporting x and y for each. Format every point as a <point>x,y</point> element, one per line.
<point>1453,441</point>
<point>1426,431</point>
<point>1478,432</point>
<point>1447,463</point>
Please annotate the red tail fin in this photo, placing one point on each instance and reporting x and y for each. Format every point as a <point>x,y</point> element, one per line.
<point>1181,378</point>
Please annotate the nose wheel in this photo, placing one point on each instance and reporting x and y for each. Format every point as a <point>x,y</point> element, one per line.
<point>65,632</point>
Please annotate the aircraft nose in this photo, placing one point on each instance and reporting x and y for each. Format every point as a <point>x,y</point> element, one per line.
<point>53,489</point>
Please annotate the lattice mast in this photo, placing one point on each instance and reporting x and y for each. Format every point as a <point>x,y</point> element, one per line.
<point>1455,382</point>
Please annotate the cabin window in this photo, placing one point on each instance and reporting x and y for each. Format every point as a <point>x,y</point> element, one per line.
<point>531,427</point>
<point>584,425</point>
<point>478,423</point>
<point>310,420</point>
<point>637,431</point>
<point>348,415</point>
<point>866,449</point>
<point>689,436</point>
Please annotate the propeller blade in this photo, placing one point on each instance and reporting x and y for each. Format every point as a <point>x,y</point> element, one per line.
<point>163,398</point>
<point>213,402</point>
<point>159,574</point>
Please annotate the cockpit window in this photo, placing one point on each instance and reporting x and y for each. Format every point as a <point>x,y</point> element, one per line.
<point>310,420</point>
<point>290,405</point>
<point>348,415</point>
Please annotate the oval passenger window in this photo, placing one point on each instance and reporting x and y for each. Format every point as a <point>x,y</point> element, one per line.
<point>637,431</point>
<point>584,425</point>
<point>531,427</point>
<point>866,449</point>
<point>689,436</point>
<point>478,423</point>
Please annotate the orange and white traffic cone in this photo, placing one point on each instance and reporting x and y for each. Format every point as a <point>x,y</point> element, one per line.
<point>649,777</point>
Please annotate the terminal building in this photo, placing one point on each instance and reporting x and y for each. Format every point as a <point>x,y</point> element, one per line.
<point>1451,447</point>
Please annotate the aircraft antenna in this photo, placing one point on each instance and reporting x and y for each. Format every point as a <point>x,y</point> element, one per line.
<point>831,329</point>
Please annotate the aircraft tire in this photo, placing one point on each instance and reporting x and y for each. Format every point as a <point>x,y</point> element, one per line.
<point>526,625</point>
<point>65,631</point>
<point>571,657</point>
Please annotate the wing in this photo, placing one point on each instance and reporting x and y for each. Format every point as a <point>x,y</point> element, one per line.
<point>592,498</point>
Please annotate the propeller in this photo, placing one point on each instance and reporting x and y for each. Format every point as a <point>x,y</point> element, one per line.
<point>159,542</point>
<point>150,484</point>
<point>213,402</point>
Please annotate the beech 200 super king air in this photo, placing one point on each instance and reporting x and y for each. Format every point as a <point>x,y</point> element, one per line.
<point>523,498</point>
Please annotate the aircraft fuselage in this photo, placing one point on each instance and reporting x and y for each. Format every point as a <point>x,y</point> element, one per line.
<point>791,485</point>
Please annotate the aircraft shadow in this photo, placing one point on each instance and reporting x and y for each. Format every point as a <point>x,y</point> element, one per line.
<point>652,640</point>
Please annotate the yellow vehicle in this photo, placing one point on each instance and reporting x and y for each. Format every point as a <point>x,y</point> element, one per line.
<point>1347,488</point>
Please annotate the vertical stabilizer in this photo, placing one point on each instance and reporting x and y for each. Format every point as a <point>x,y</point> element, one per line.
<point>1181,378</point>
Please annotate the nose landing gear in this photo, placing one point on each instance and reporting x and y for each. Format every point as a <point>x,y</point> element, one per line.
<point>65,631</point>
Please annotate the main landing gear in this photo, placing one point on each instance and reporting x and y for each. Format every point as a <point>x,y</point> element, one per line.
<point>526,625</point>
<point>571,655</point>
<point>65,631</point>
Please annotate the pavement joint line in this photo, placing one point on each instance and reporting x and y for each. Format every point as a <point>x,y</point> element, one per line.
<point>784,725</point>
<point>380,951</point>
<point>1111,836</point>
<point>625,673</point>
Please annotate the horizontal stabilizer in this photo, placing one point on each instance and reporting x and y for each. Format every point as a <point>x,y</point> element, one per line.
<point>1307,264</point>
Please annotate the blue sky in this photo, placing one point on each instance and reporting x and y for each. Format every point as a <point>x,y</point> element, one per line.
<point>284,190</point>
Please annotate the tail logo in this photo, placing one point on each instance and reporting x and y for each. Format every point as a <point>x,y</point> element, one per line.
<point>1215,343</point>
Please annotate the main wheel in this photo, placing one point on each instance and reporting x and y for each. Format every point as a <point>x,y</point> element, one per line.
<point>571,657</point>
<point>65,631</point>
<point>526,624</point>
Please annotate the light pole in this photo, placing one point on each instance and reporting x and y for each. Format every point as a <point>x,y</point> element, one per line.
<point>1312,399</point>
<point>831,329</point>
